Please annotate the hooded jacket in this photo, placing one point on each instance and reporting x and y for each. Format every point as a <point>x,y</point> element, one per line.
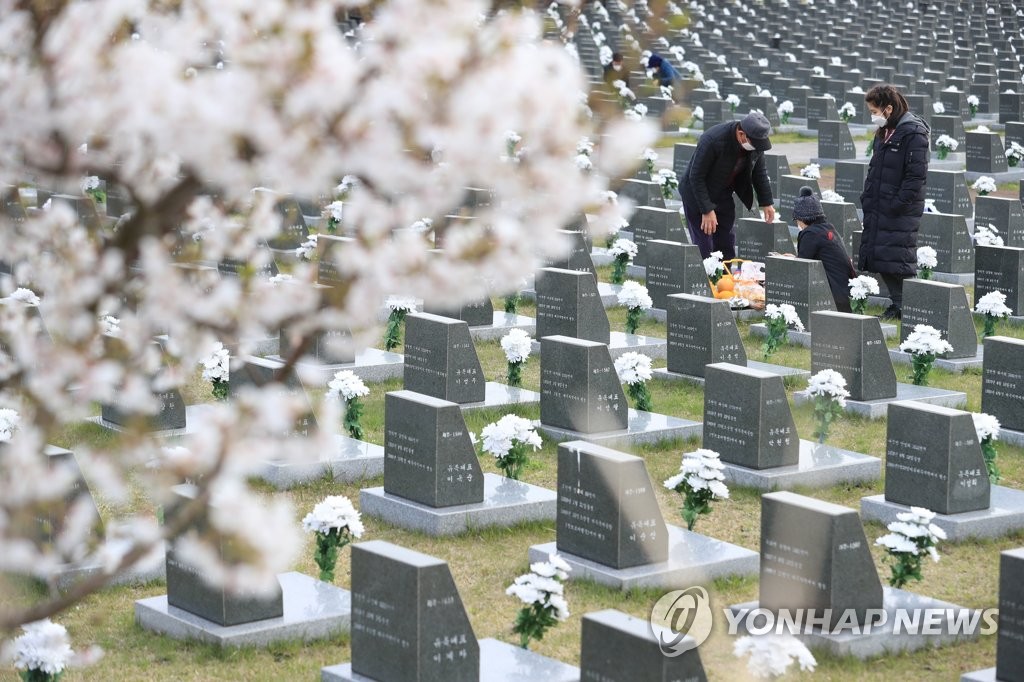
<point>893,198</point>
<point>704,183</point>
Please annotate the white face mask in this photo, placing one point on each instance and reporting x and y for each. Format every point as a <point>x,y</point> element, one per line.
<point>748,146</point>
<point>878,120</point>
<point>617,67</point>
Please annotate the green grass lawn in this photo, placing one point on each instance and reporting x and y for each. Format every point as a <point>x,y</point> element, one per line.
<point>485,562</point>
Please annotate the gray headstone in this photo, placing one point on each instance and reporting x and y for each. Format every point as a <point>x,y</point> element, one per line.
<point>441,360</point>
<point>330,249</point>
<point>947,234</point>
<point>789,190</point>
<point>1005,213</point>
<point>850,178</point>
<point>766,105</point>
<point>568,303</point>
<point>428,455</point>
<point>943,306</point>
<point>170,415</point>
<point>1002,384</point>
<point>607,508</point>
<point>50,522</point>
<point>265,269</point>
<point>1014,132</point>
<point>985,153</point>
<point>188,590</point>
<point>579,388</point>
<point>674,268</point>
<point>643,193</point>
<point>777,166</point>
<point>814,555</point>
<point>715,112</point>
<point>1009,652</point>
<point>578,258</point>
<point>843,216</point>
<point>747,418</point>
<point>820,109</point>
<point>681,154</point>
<point>701,331</point>
<point>853,345</point>
<point>293,225</point>
<point>435,643</point>
<point>478,313</point>
<point>955,102</point>
<point>256,371</point>
<point>1011,106</point>
<point>333,347</point>
<point>1000,268</point>
<point>649,223</point>
<point>943,124</point>
<point>834,141</point>
<point>616,647</point>
<point>755,238</point>
<point>933,459</point>
<point>949,191</point>
<point>801,283</point>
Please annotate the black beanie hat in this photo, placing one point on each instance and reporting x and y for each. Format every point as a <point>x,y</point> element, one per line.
<point>807,208</point>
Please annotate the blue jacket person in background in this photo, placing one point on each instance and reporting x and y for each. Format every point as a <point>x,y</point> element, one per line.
<point>663,71</point>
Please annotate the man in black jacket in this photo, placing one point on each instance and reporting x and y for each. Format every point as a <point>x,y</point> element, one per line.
<point>729,158</point>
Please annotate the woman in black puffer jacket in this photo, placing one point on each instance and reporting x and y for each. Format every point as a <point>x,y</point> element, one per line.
<point>893,198</point>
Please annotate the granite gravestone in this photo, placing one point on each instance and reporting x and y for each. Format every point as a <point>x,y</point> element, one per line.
<point>777,166</point>
<point>330,249</point>
<point>755,239</point>
<point>674,268</point>
<point>52,522</point>
<point>820,109</point>
<point>1005,214</point>
<point>1009,648</point>
<point>747,417</point>
<point>948,189</point>
<point>293,225</point>
<point>607,510</point>
<point>814,555</point>
<point>649,223</point>
<point>643,193</point>
<point>332,347</point>
<point>953,126</point>
<point>799,282</point>
<point>579,388</point>
<point>170,414</point>
<point>985,153</point>
<point>428,455</point>
<point>955,102</point>
<point>441,360</point>
<point>1011,106</point>
<point>716,111</point>
<point>1000,268</point>
<point>933,459</point>
<point>947,234</point>
<point>264,267</point>
<point>943,306</point>
<point>834,141</point>
<point>616,647</point>
<point>256,371</point>
<point>1002,384</point>
<point>681,155</point>
<point>479,313</point>
<point>578,257</point>
<point>188,590</point>
<point>853,345</point>
<point>789,190</point>
<point>701,331</point>
<point>843,216</point>
<point>568,304</point>
<point>850,178</point>
<point>432,642</point>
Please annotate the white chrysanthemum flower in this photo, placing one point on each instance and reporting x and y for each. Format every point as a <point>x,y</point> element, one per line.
<point>584,163</point>
<point>281,278</point>
<point>733,100</point>
<point>499,437</point>
<point>987,235</point>
<point>306,250</point>
<point>986,426</point>
<point>634,295</point>
<point>848,110</point>
<point>972,100</point>
<point>786,107</point>
<point>982,129</point>
<point>215,365</point>
<point>811,171</point>
<point>927,257</point>
<point>649,155</point>
<point>110,325</point>
<point>828,383</point>
<point>863,286</point>
<point>633,368</point>
<point>24,296</point>
<point>585,146</point>
<point>771,655</point>
<point>828,195</point>
<point>948,142</point>
<point>925,340</point>
<point>713,264</point>
<point>623,246</point>
<point>9,420</point>
<point>786,312</point>
<point>333,211</point>
<point>938,108</point>
<point>334,513</point>
<point>517,345</point>
<point>993,303</point>
<point>698,113</point>
<point>406,303</point>
<point>45,647</point>
<point>1015,151</point>
<point>90,183</point>
<point>347,385</point>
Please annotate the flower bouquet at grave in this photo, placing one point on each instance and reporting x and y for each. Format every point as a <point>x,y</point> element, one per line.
<point>811,171</point>
<point>332,216</point>
<point>636,113</point>
<point>778,320</point>
<point>634,369</point>
<point>24,296</point>
<point>307,249</point>
<point>335,522</point>
<point>828,389</point>
<point>516,345</point>
<point>623,251</point>
<point>668,181</point>
<point>714,268</point>
<point>924,344</point>
<point>91,188</point>
<point>348,387</point>
<point>512,149</point>
<point>43,652</point>
<point>832,196</point>
<point>982,129</point>
<point>216,370</point>
<point>785,111</point>
<point>700,482</point>
<point>939,108</point>
<point>626,96</point>
<point>422,226</point>
<point>584,148</point>
<point>771,654</point>
<point>973,102</point>
<point>993,306</point>
<point>987,426</point>
<point>9,420</point>
<point>733,101</point>
<point>344,189</point>
<point>927,261</point>
<point>666,91</point>
<point>946,144</point>
<point>929,206</point>
<point>910,537</point>
<point>542,590</point>
<point>984,185</point>
<point>987,235</point>
<point>697,115</point>
<point>400,306</point>
<point>1014,153</point>
<point>861,287</point>
<point>635,298</point>
<point>507,441</point>
<point>281,278</point>
<point>847,112</point>
<point>649,157</point>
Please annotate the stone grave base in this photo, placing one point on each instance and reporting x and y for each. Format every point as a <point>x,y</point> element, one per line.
<point>145,572</point>
<point>351,460</point>
<point>264,346</point>
<point>499,662</point>
<point>986,675</point>
<point>1012,437</point>
<point>1012,320</point>
<point>371,365</point>
<point>191,412</point>
<point>1004,516</point>
<point>804,338</point>
<point>950,365</point>
<point>636,271</point>
<point>501,395</point>
<point>622,343</point>
<point>1012,175</point>
<point>506,503</point>
<point>503,324</point>
<point>954,161</point>
<point>779,370</point>
<point>880,640</point>
<point>644,427</point>
<point>961,278</point>
<point>820,466</point>
<point>828,163</point>
<point>599,255</point>
<point>694,559</point>
<point>661,315</point>
<point>312,610</point>
<point>609,294</point>
<point>877,409</point>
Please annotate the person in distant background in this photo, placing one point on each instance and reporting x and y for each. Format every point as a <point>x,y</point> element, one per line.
<point>615,71</point>
<point>818,240</point>
<point>893,197</point>
<point>663,71</point>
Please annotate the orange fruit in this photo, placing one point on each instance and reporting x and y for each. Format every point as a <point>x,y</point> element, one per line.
<point>724,295</point>
<point>726,283</point>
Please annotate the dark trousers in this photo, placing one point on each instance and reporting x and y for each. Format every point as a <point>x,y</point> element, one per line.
<point>723,239</point>
<point>894,283</point>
